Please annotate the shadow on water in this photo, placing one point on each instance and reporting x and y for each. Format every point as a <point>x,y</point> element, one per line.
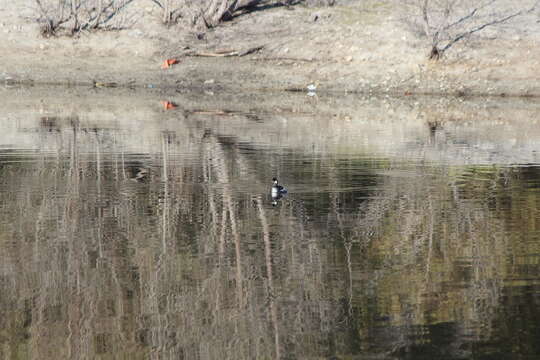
<point>410,229</point>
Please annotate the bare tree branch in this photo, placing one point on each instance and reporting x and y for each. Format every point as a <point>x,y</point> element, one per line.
<point>78,15</point>
<point>481,27</point>
<point>446,22</point>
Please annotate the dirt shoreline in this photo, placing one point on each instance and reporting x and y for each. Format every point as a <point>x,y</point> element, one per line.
<point>359,48</point>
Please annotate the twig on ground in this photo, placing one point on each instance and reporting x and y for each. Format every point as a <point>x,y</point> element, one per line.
<point>227,53</point>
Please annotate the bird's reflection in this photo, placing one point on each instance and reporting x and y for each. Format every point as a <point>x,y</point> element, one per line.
<point>276,199</point>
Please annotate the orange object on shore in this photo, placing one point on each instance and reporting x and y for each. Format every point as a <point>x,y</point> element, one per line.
<point>167,63</point>
<point>168,105</point>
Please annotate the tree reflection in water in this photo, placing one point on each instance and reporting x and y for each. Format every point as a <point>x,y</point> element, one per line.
<point>179,253</point>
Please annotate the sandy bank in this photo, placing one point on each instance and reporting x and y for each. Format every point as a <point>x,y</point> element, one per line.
<point>356,48</point>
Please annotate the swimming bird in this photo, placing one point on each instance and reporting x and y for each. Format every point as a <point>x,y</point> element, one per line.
<point>277,190</point>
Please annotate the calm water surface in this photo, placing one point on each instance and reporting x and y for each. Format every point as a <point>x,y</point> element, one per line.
<point>411,228</point>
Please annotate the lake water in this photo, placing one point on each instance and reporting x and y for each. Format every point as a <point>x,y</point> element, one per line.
<point>411,227</point>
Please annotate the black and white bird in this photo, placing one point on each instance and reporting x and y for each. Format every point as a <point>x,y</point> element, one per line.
<point>277,190</point>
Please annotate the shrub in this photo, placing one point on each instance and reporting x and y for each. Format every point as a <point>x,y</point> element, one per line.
<point>75,16</point>
<point>209,13</point>
<point>447,22</point>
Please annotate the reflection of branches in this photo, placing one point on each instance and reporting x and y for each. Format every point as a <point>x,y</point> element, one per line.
<point>218,158</point>
<point>347,243</point>
<point>269,275</point>
<point>158,285</point>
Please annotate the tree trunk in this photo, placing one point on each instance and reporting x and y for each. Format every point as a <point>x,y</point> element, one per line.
<point>223,10</point>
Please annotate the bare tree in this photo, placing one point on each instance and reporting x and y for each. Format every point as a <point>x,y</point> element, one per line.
<point>446,22</point>
<point>202,12</point>
<point>79,15</point>
<point>171,10</point>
